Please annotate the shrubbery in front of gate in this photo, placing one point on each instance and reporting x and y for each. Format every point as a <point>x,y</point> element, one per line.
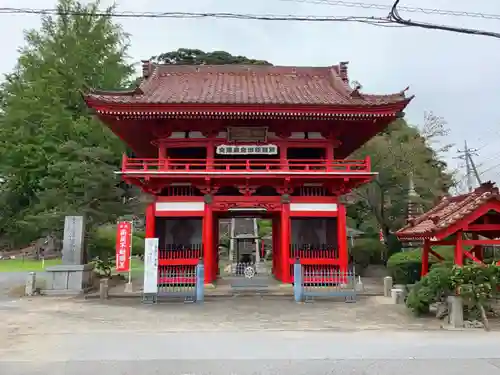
<point>405,267</point>
<point>102,243</point>
<point>367,251</point>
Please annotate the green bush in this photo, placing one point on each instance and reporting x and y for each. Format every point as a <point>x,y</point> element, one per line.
<point>102,243</point>
<point>405,267</point>
<point>367,251</point>
<point>140,234</point>
<point>433,287</point>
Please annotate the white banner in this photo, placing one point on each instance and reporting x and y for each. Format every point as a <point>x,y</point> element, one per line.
<point>247,150</point>
<point>151,265</point>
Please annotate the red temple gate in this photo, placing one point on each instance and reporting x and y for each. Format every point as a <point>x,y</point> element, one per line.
<point>218,141</point>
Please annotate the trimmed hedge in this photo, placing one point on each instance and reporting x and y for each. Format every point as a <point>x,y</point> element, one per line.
<point>404,267</point>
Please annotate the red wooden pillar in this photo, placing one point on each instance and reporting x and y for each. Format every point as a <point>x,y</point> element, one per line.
<point>150,221</point>
<point>329,156</point>
<point>215,241</point>
<point>285,243</point>
<point>425,258</point>
<point>162,154</point>
<point>208,244</point>
<point>459,250</point>
<point>477,250</point>
<point>210,154</point>
<point>342,237</point>
<point>275,246</point>
<point>283,156</point>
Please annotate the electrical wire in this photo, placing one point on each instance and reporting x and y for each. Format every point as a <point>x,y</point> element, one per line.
<point>392,20</point>
<point>378,21</point>
<point>395,17</point>
<point>440,12</point>
<point>490,169</point>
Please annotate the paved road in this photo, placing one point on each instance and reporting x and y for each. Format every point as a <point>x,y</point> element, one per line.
<point>257,352</point>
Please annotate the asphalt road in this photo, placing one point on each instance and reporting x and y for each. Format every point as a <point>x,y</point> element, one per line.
<point>257,352</point>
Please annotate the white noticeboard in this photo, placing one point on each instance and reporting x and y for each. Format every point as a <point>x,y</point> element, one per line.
<point>151,265</point>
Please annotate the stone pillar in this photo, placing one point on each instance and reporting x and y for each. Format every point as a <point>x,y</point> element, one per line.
<point>232,241</point>
<point>30,284</point>
<point>103,289</point>
<point>397,296</point>
<point>73,276</point>
<point>387,286</point>
<point>455,312</point>
<point>257,242</point>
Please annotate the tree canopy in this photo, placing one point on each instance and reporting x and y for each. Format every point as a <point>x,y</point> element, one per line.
<point>55,158</point>
<point>396,154</point>
<point>186,56</point>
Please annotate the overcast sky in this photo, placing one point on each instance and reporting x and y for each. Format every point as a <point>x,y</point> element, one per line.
<point>454,75</point>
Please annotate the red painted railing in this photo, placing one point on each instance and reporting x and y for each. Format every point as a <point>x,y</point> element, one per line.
<point>249,165</point>
<point>173,255</point>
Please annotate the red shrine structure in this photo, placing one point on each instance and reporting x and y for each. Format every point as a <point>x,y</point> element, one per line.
<point>213,142</point>
<point>467,222</point>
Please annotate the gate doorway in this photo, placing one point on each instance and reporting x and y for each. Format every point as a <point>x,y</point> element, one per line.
<point>245,252</point>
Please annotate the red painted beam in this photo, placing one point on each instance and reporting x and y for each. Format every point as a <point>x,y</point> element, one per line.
<point>483,227</point>
<point>316,261</point>
<point>481,242</point>
<point>178,262</point>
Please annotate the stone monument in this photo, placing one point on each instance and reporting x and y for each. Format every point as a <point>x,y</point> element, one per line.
<point>73,276</point>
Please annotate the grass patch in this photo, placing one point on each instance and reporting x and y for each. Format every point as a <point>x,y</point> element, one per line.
<point>137,269</point>
<point>26,265</point>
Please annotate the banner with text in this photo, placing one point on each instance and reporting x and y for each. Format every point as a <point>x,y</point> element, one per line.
<point>123,244</point>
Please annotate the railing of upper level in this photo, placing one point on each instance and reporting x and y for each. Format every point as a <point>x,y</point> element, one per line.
<point>248,165</point>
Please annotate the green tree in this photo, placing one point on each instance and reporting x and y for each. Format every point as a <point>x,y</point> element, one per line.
<point>186,56</point>
<point>396,153</point>
<point>56,159</point>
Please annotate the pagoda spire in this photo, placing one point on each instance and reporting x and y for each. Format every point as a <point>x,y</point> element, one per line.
<point>414,210</point>
<point>414,207</point>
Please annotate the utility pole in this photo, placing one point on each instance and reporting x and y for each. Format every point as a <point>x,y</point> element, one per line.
<point>470,167</point>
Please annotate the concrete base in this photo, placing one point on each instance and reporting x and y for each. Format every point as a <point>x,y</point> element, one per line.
<point>68,279</point>
<point>128,288</point>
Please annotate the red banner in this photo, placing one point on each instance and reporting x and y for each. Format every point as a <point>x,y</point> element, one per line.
<point>123,237</point>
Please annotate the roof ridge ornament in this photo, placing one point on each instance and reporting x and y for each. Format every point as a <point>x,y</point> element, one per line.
<point>343,73</point>
<point>147,68</point>
<point>355,93</point>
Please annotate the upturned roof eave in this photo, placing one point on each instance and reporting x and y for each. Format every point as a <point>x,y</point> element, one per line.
<point>368,108</point>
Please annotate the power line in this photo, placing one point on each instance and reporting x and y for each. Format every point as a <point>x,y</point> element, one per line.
<point>378,21</point>
<point>393,19</point>
<point>394,16</point>
<point>441,12</point>
<point>490,169</point>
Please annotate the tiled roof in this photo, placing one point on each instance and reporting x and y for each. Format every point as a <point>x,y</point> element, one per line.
<point>447,212</point>
<point>246,84</point>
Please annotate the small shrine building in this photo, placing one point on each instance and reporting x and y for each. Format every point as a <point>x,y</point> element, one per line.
<point>468,222</point>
